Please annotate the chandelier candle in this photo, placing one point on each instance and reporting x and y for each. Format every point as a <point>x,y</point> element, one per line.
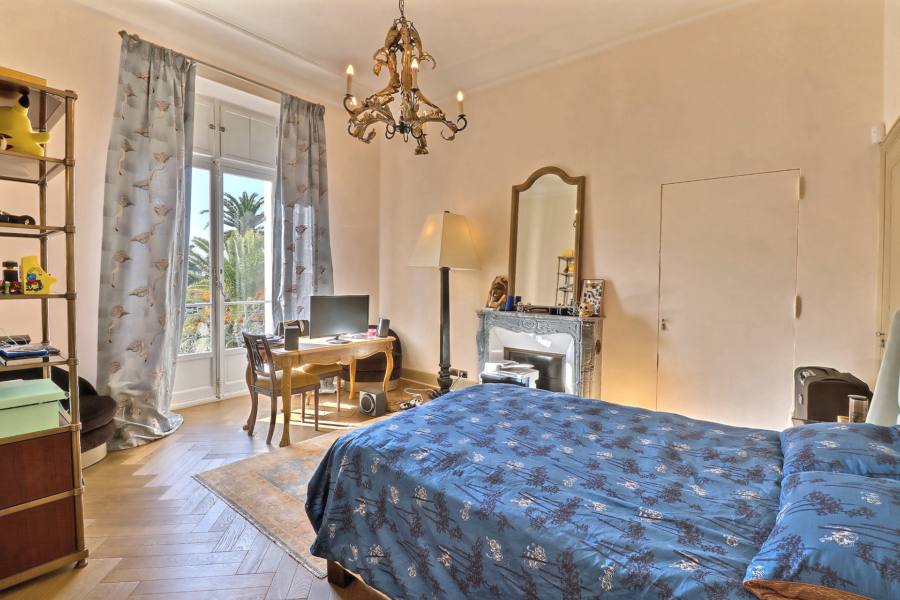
<point>459,98</point>
<point>402,56</point>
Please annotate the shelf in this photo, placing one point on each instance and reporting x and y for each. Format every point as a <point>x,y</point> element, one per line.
<point>21,231</point>
<point>55,100</point>
<point>30,296</point>
<point>56,362</point>
<point>25,168</point>
<point>566,274</point>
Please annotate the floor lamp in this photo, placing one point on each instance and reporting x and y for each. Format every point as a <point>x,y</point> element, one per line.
<point>445,243</point>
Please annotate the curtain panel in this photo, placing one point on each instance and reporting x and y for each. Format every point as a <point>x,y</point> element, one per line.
<point>145,236</point>
<point>301,237</point>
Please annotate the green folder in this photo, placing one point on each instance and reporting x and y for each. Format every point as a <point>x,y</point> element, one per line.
<point>29,406</point>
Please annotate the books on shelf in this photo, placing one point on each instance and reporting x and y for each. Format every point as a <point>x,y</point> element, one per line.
<point>24,354</point>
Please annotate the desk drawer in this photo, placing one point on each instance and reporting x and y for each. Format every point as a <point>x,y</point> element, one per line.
<point>35,468</point>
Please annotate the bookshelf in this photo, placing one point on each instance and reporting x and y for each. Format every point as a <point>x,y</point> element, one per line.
<point>41,498</point>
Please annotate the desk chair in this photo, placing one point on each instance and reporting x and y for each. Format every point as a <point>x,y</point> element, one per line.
<point>320,371</point>
<point>261,383</point>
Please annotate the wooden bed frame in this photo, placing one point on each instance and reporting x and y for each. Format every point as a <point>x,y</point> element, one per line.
<point>338,575</point>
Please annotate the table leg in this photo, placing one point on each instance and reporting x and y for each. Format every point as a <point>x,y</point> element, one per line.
<point>352,377</point>
<point>287,363</point>
<point>389,355</point>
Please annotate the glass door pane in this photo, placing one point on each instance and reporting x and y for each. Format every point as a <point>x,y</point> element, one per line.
<point>245,257</point>
<point>196,336</point>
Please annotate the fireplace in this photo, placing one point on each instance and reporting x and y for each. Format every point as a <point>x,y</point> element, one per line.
<point>564,350</point>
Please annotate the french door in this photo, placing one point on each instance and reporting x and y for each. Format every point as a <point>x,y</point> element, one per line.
<point>229,278</point>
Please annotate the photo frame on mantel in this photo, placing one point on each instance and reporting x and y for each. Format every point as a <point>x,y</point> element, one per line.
<point>592,293</point>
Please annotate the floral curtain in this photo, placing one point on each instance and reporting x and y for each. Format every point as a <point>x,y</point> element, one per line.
<point>145,231</point>
<point>301,238</point>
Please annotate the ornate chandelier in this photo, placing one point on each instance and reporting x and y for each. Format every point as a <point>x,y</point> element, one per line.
<point>415,109</point>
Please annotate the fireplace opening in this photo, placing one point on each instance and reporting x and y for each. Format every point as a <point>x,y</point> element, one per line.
<point>551,367</point>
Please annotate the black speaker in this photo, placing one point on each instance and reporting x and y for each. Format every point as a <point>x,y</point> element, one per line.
<point>384,328</point>
<point>291,337</point>
<point>372,402</point>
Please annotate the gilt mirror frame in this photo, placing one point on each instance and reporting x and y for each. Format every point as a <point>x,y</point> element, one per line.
<point>578,182</point>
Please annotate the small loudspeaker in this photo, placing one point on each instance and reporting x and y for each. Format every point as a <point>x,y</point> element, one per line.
<point>384,328</point>
<point>291,337</point>
<point>372,402</point>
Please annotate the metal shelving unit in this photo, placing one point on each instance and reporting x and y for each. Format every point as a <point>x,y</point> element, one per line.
<point>41,499</point>
<point>565,284</point>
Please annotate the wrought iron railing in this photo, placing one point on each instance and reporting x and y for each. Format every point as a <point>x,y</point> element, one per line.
<point>240,317</point>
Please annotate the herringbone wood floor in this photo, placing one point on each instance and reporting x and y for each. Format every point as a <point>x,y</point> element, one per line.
<point>155,534</point>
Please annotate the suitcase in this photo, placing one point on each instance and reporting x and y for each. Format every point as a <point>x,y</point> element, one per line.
<point>821,394</point>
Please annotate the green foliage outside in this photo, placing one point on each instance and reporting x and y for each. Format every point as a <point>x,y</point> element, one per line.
<point>243,277</point>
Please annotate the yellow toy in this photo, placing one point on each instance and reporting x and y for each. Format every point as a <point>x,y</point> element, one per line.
<point>34,279</point>
<point>16,129</point>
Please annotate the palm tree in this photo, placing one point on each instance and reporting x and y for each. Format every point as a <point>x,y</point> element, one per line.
<point>243,214</point>
<point>198,261</point>
<point>243,277</point>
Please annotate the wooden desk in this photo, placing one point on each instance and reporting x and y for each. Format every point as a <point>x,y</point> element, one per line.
<point>318,352</point>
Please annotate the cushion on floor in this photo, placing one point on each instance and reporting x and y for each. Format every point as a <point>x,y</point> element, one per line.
<point>96,411</point>
<point>95,437</point>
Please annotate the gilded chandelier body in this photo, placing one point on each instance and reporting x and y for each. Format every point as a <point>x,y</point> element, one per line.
<point>403,45</point>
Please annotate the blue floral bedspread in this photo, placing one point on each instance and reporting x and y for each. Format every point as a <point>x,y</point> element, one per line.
<point>505,492</point>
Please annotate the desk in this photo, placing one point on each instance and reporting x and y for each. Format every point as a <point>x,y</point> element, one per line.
<point>317,351</point>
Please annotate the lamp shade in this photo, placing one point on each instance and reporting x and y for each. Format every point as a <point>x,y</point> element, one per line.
<point>445,241</point>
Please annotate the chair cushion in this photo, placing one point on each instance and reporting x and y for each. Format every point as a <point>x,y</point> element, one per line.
<point>96,411</point>
<point>320,369</point>
<point>834,537</point>
<point>298,379</point>
<point>856,448</point>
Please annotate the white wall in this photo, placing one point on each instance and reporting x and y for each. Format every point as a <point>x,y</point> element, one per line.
<point>770,85</point>
<point>891,62</point>
<point>78,50</point>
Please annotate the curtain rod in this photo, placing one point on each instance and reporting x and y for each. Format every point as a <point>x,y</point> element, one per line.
<point>123,33</point>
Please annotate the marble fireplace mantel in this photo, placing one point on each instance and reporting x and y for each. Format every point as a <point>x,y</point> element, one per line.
<point>540,331</point>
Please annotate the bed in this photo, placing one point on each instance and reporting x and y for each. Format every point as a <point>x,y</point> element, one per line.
<point>507,492</point>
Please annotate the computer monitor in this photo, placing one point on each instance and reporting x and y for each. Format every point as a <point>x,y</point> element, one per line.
<point>338,315</point>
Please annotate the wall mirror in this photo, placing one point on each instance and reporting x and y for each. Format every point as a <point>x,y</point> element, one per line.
<point>545,238</point>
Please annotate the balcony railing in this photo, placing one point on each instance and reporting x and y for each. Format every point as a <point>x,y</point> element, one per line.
<point>240,317</point>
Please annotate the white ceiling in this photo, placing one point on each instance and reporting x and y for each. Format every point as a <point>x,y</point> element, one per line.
<point>476,43</point>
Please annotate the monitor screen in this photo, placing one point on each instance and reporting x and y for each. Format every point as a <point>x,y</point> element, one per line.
<point>336,315</point>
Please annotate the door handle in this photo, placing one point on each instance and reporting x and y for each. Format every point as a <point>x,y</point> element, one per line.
<point>662,325</point>
<point>221,290</point>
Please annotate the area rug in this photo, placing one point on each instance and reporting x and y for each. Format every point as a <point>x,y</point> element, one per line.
<point>269,490</point>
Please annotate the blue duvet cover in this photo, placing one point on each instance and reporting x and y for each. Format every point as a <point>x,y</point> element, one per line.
<point>506,492</point>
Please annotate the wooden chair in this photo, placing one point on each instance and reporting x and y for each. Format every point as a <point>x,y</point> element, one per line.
<point>320,371</point>
<point>261,382</point>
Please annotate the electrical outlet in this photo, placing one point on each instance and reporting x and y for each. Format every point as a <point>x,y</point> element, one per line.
<point>460,374</point>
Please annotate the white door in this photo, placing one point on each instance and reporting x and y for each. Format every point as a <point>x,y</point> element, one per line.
<point>230,259</point>
<point>890,282</point>
<point>727,294</point>
<point>245,270</point>
<point>196,377</point>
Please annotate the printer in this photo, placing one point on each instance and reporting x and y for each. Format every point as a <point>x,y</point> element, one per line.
<point>510,372</point>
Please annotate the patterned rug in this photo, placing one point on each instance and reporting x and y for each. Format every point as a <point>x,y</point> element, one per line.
<point>269,490</point>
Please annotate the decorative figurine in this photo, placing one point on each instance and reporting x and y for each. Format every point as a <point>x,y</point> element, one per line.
<point>587,310</point>
<point>37,281</point>
<point>499,288</point>
<point>16,129</point>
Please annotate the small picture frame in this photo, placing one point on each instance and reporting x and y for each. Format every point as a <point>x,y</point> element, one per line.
<point>592,293</point>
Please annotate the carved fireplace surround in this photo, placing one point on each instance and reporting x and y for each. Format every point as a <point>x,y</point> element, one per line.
<point>576,338</point>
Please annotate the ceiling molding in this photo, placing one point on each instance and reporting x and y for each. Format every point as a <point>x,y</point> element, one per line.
<point>601,48</point>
